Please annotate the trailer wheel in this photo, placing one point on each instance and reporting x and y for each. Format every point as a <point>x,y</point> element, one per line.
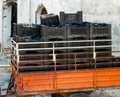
<point>79,95</point>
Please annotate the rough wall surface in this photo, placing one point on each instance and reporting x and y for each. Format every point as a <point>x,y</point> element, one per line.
<point>23,11</point>
<point>0,21</point>
<point>53,6</point>
<point>7,26</point>
<point>103,11</point>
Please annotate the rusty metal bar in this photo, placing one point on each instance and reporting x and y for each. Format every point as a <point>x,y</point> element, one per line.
<point>75,62</point>
<point>54,55</point>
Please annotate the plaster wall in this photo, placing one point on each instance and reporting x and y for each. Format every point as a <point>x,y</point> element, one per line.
<point>0,21</point>
<point>23,11</point>
<point>26,14</point>
<point>104,11</point>
<point>7,27</point>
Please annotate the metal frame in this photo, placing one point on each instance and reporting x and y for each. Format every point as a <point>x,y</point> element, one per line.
<point>86,79</point>
<point>93,53</point>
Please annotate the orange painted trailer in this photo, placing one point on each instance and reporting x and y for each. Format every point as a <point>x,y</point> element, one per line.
<point>56,82</point>
<point>89,74</point>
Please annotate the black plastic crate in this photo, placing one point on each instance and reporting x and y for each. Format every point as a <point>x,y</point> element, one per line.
<point>70,17</point>
<point>51,66</point>
<point>53,32</point>
<point>27,52</point>
<point>32,46</point>
<point>60,62</point>
<point>103,63</point>
<point>81,30</point>
<point>103,52</point>
<point>18,29</point>
<point>115,61</point>
<point>31,55</point>
<point>14,29</point>
<point>99,41</point>
<point>60,54</point>
<point>101,49</point>
<point>31,38</point>
<point>78,42</point>
<point>100,30</point>
<point>78,55</point>
<point>31,67</point>
<point>103,43</point>
<point>27,29</point>
<point>31,29</point>
<point>49,20</point>
<point>60,57</point>
<point>104,55</point>
<point>56,42</point>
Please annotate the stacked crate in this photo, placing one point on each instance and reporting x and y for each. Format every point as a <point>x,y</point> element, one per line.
<point>70,27</point>
<point>71,17</point>
<point>79,32</point>
<point>29,60</point>
<point>53,34</point>
<point>27,32</point>
<point>31,66</point>
<point>101,31</point>
<point>49,20</point>
<point>76,31</point>
<point>51,29</point>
